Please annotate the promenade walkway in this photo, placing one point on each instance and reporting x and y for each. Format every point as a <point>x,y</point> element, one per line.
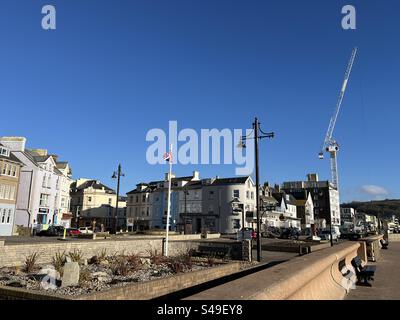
<point>387,277</point>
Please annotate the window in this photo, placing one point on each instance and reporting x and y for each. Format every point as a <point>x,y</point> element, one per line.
<point>14,171</point>
<point>110,201</point>
<point>89,199</point>
<point>7,192</point>
<point>144,198</point>
<point>247,194</point>
<point>49,182</point>
<point>252,195</point>
<point>147,211</point>
<point>44,200</point>
<point>137,199</point>
<point>4,152</point>
<point>9,216</point>
<point>236,194</point>
<point>44,181</point>
<point>211,195</point>
<point>236,223</point>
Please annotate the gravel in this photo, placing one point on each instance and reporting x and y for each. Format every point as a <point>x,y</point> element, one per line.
<point>98,277</point>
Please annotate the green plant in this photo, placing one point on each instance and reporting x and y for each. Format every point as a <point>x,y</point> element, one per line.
<point>30,262</point>
<point>76,256</point>
<point>58,261</point>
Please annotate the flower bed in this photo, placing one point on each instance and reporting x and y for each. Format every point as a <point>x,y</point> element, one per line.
<point>101,272</point>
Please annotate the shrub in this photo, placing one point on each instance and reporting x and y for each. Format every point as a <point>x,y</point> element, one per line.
<point>176,266</point>
<point>155,257</point>
<point>120,266</point>
<point>76,256</point>
<point>102,256</point>
<point>210,260</point>
<point>58,261</point>
<point>30,262</point>
<point>134,262</point>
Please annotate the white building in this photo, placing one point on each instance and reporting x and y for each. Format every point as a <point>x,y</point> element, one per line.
<point>40,184</point>
<point>64,214</point>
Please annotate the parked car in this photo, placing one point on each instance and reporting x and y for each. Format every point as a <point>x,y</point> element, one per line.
<point>52,231</point>
<point>73,232</point>
<point>86,230</point>
<point>271,232</point>
<point>290,233</point>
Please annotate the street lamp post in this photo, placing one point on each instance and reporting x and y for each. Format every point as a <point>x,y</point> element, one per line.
<point>258,135</point>
<point>117,175</point>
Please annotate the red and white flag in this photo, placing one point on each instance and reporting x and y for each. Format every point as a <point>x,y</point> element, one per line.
<point>168,156</point>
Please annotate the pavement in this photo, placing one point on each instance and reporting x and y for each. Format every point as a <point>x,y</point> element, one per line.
<point>386,285</point>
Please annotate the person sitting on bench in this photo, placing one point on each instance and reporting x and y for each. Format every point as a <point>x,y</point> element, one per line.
<point>364,274</point>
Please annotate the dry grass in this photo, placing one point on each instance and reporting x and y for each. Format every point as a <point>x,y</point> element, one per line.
<point>30,262</point>
<point>155,257</point>
<point>76,256</point>
<point>58,261</point>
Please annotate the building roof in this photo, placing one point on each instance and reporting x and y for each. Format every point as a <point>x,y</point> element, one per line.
<point>268,199</point>
<point>95,184</point>
<point>279,195</point>
<point>235,180</point>
<point>12,157</point>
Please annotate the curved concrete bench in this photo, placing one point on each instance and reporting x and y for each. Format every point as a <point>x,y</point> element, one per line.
<point>312,277</point>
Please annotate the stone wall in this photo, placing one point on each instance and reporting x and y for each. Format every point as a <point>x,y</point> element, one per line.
<point>315,276</point>
<point>138,291</point>
<point>15,254</point>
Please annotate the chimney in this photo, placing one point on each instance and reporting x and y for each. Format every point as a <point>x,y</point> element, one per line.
<point>196,175</point>
<point>81,181</point>
<point>167,175</point>
<point>14,143</point>
<point>312,177</point>
<point>40,152</point>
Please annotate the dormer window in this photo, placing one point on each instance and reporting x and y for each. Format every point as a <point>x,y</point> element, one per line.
<point>4,152</point>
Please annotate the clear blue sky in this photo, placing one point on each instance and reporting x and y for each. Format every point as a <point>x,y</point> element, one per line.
<point>90,90</point>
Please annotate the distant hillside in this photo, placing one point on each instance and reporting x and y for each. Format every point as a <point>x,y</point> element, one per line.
<point>386,208</point>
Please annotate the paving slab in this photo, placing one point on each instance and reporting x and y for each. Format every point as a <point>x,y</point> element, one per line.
<point>386,285</point>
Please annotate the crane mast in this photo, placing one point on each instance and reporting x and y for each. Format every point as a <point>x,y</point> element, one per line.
<point>330,145</point>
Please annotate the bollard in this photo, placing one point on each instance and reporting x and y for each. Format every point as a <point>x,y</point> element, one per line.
<point>164,241</point>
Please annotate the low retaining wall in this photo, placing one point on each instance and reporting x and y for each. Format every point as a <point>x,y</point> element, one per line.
<point>373,247</point>
<point>15,254</point>
<point>138,291</point>
<point>315,276</point>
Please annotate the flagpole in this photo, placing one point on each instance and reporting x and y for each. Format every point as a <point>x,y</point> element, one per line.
<point>168,200</point>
